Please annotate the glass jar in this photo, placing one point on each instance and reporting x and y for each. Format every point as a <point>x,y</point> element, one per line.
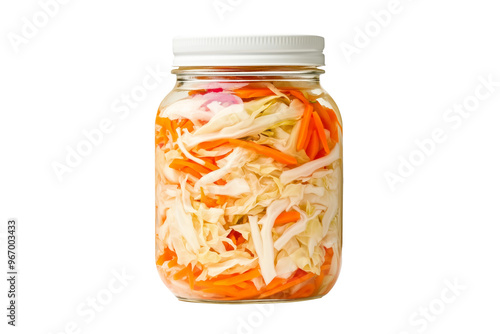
<point>248,172</point>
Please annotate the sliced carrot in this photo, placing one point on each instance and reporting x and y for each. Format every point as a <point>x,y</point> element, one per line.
<point>275,283</point>
<point>236,237</point>
<point>321,131</point>
<point>320,154</point>
<point>172,263</point>
<point>179,164</point>
<point>189,126</point>
<point>325,117</point>
<point>223,290</point>
<point>197,271</point>
<point>333,117</point>
<point>249,275</point>
<point>287,285</point>
<point>313,148</point>
<point>200,285</point>
<point>240,240</point>
<point>181,273</point>
<point>209,163</point>
<point>228,246</point>
<point>191,171</point>
<point>220,182</point>
<point>304,292</point>
<point>161,259</point>
<point>265,150</point>
<point>304,126</point>
<point>310,131</point>
<point>166,256</point>
<point>246,93</point>
<point>261,149</point>
<point>210,145</point>
<point>326,267</point>
<point>287,217</point>
<point>210,202</point>
<point>198,91</point>
<point>167,124</point>
<point>233,238</point>
<point>247,293</point>
<point>221,199</point>
<point>298,94</point>
<point>304,134</point>
<point>244,285</point>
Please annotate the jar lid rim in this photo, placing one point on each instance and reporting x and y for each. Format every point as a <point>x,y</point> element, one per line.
<point>251,50</point>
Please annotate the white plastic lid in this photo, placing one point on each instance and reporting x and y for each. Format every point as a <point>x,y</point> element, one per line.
<point>298,50</point>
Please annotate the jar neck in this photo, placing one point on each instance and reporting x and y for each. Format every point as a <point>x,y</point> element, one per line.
<point>248,73</point>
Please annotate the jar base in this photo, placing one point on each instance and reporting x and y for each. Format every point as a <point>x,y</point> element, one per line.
<point>246,301</point>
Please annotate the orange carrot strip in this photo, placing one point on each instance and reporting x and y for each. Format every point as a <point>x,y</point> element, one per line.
<point>313,148</point>
<point>265,150</point>
<point>200,285</point>
<point>275,283</point>
<point>182,122</point>
<point>325,118</point>
<point>321,132</point>
<point>189,125</point>
<point>223,290</point>
<point>179,164</point>
<point>191,171</point>
<point>310,131</point>
<point>228,246</point>
<point>304,292</point>
<point>246,93</point>
<point>198,91</point>
<point>251,274</point>
<point>220,182</point>
<point>246,293</point>
<point>166,256</point>
<point>261,149</point>
<point>326,267</point>
<point>304,126</point>
<point>221,199</point>
<point>333,117</point>
<point>172,263</point>
<point>236,237</point>
<point>285,286</point>
<point>210,145</point>
<point>209,163</point>
<point>181,273</point>
<point>320,154</point>
<point>287,217</point>
<point>240,240</point>
<point>244,285</point>
<point>167,124</point>
<point>210,202</point>
<point>299,95</point>
<point>161,260</point>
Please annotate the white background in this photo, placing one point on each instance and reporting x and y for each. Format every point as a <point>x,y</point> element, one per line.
<point>401,246</point>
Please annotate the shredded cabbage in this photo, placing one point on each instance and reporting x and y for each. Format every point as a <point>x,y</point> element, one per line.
<point>218,207</point>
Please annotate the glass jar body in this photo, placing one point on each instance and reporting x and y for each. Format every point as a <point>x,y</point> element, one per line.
<point>248,185</point>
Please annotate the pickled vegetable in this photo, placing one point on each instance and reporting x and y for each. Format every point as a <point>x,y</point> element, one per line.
<point>248,188</point>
